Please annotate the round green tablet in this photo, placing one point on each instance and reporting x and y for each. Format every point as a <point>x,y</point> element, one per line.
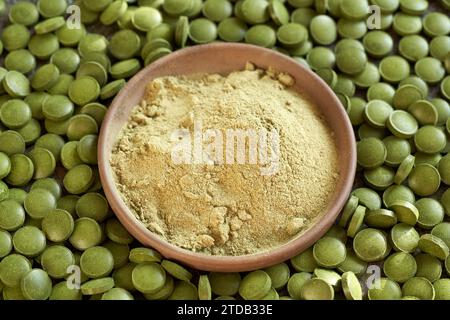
<point>430,70</point>
<point>261,35</point>
<point>424,111</point>
<point>255,11</point>
<point>22,170</point>
<point>404,169</point>
<point>433,245</point>
<point>416,82</point>
<point>43,161</point>
<point>70,37</point>
<point>13,268</point>
<point>351,286</point>
<point>15,113</point>
<point>323,58</point>
<point>436,24</point>
<point>353,29</point>
<point>36,285</point>
<point>184,291</point>
<point>49,8</point>
<point>371,153</point>
<point>278,12</point>
<point>141,255</point>
<point>413,47</point>
<point>43,45</point>
<point>20,60</point>
<point>370,245</point>
<point>166,291</point>
<point>202,31</point>
<point>12,215</point>
<point>369,76</point>
<point>368,198</point>
<point>148,277</point>
<point>146,18</point>
<point>84,90</point>
<point>424,180</point>
<point>295,284</point>
<point>385,289</point>
<point>442,230</point>
<point>78,179</point>
<point>58,225</point>
<point>381,91</point>
<point>111,89</point>
<point>117,233</point>
<point>16,84</point>
<point>329,252</point>
<point>125,69</point>
<point>204,288</point>
<point>402,124</point>
<point>49,25</point>
<point>380,218</point>
<point>351,60</point>
<point>24,13</point>
<point>323,29</point>
<point>400,267</point>
<point>11,143</point>
<point>442,289</point>
<point>69,155</point>
<point>378,43</point>
<point>217,10</point>
<point>255,285</point>
<point>68,204</point>
<point>224,284</point>
<point>48,184</point>
<point>87,233</point>
<point>15,36</point>
<point>431,212</point>
<point>92,42</point>
<point>30,132</point>
<point>117,294</point>
<point>317,289</point>
<point>45,77</point>
<point>406,95</point>
<point>176,270</point>
<point>419,287</point>
<point>92,205</point>
<point>122,277</point>
<point>232,29</point>
<point>304,262</point>
<point>125,43</point>
<point>81,125</point>
<point>39,202</point>
<point>379,178</point>
<point>439,47</point>
<point>96,262</point>
<point>397,150</point>
<point>377,112</point>
<point>29,241</point>
<point>348,211</point>
<point>428,267</point>
<point>56,260</point>
<point>61,291</point>
<point>97,286</point>
<point>182,31</point>
<point>394,69</point>
<point>292,35</point>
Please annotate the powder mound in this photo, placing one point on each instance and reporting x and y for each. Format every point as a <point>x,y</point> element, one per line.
<point>226,165</point>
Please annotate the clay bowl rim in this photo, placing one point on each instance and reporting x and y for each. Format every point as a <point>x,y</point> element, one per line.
<point>228,263</point>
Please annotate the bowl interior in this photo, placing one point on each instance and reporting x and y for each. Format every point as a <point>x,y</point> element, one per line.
<point>225,58</point>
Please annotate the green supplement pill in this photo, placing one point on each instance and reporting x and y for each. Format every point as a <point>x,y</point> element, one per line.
<point>329,252</point>
<point>419,287</point>
<point>255,285</point>
<point>87,233</point>
<point>176,270</point>
<point>204,288</point>
<point>58,225</point>
<point>148,277</point>
<point>370,245</point>
<point>295,284</point>
<point>225,284</point>
<point>96,262</point>
<point>56,260</point>
<point>29,241</point>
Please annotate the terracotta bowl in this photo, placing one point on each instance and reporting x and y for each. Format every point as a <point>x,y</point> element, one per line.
<point>224,58</point>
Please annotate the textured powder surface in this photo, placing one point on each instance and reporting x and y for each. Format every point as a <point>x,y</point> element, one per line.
<point>226,209</point>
